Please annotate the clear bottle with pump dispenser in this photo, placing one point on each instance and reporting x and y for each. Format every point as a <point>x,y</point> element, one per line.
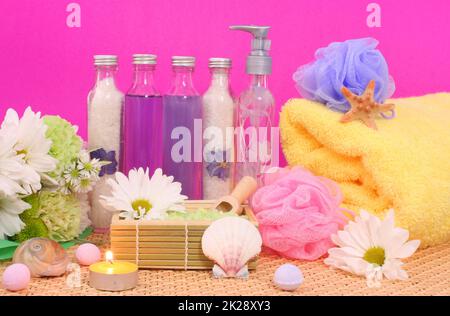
<point>141,137</point>
<point>182,147</point>
<point>255,109</point>
<point>218,127</point>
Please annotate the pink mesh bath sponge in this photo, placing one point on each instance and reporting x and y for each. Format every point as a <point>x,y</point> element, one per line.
<point>298,212</point>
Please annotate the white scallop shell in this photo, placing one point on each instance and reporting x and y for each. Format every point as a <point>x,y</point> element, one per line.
<point>231,242</point>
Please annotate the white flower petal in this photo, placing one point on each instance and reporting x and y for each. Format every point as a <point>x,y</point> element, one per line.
<point>368,231</point>
<point>374,276</point>
<point>407,249</point>
<point>10,222</point>
<point>339,259</point>
<point>30,146</point>
<point>357,265</point>
<point>397,238</point>
<point>347,239</point>
<point>392,270</point>
<point>345,252</point>
<point>359,233</point>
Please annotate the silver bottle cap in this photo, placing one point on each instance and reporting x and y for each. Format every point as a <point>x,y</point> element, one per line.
<point>105,60</point>
<point>144,59</point>
<point>183,61</point>
<point>219,63</point>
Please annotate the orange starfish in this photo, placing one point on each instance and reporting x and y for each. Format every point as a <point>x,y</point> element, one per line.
<point>364,107</point>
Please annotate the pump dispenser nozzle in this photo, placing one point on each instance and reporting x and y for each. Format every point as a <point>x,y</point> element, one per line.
<point>258,62</point>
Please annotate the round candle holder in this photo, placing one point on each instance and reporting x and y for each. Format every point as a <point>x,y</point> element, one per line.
<point>113,276</point>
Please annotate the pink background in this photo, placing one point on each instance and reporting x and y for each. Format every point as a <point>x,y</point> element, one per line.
<point>48,65</point>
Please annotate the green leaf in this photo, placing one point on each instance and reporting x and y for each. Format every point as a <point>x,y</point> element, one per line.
<point>7,249</point>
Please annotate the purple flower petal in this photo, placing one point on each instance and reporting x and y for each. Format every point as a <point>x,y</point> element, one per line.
<point>103,155</point>
<point>221,168</point>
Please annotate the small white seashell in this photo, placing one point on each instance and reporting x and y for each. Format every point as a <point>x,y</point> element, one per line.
<point>231,242</point>
<point>73,279</point>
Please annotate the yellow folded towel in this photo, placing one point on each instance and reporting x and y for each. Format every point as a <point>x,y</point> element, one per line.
<point>405,165</point>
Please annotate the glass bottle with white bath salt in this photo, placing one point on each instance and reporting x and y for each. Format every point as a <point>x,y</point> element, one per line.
<point>105,103</point>
<point>218,132</point>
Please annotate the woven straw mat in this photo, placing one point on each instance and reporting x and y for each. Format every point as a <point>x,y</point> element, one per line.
<point>429,271</point>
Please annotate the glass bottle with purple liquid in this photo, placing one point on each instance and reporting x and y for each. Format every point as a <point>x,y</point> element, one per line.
<point>141,136</point>
<point>182,154</point>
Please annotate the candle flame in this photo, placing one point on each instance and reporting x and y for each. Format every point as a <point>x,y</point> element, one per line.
<point>109,256</point>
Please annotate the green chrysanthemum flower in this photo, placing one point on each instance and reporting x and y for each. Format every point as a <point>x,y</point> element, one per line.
<point>61,214</point>
<point>66,144</point>
<point>52,214</point>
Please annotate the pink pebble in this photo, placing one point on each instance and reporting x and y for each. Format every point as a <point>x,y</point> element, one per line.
<point>88,254</point>
<point>16,277</point>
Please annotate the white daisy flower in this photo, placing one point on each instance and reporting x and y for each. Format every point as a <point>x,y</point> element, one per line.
<point>80,176</point>
<point>372,248</point>
<point>84,185</point>
<point>89,167</point>
<point>72,175</point>
<point>140,197</point>
<point>31,145</point>
<point>10,222</point>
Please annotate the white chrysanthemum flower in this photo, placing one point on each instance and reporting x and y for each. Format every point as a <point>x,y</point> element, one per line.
<point>81,176</point>
<point>72,175</point>
<point>10,166</point>
<point>143,198</point>
<point>372,247</point>
<point>31,145</point>
<point>84,185</point>
<point>10,209</point>
<point>89,168</point>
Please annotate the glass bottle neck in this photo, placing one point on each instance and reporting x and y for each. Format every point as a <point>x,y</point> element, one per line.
<point>106,75</point>
<point>182,83</point>
<point>220,78</point>
<point>144,81</point>
<point>259,81</point>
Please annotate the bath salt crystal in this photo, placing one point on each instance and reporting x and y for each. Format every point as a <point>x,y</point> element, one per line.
<point>104,124</point>
<point>218,112</point>
<point>105,110</point>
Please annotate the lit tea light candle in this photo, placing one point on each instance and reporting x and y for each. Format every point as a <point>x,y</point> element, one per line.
<point>110,275</point>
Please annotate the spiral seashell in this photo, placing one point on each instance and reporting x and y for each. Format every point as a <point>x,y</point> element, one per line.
<point>44,257</point>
